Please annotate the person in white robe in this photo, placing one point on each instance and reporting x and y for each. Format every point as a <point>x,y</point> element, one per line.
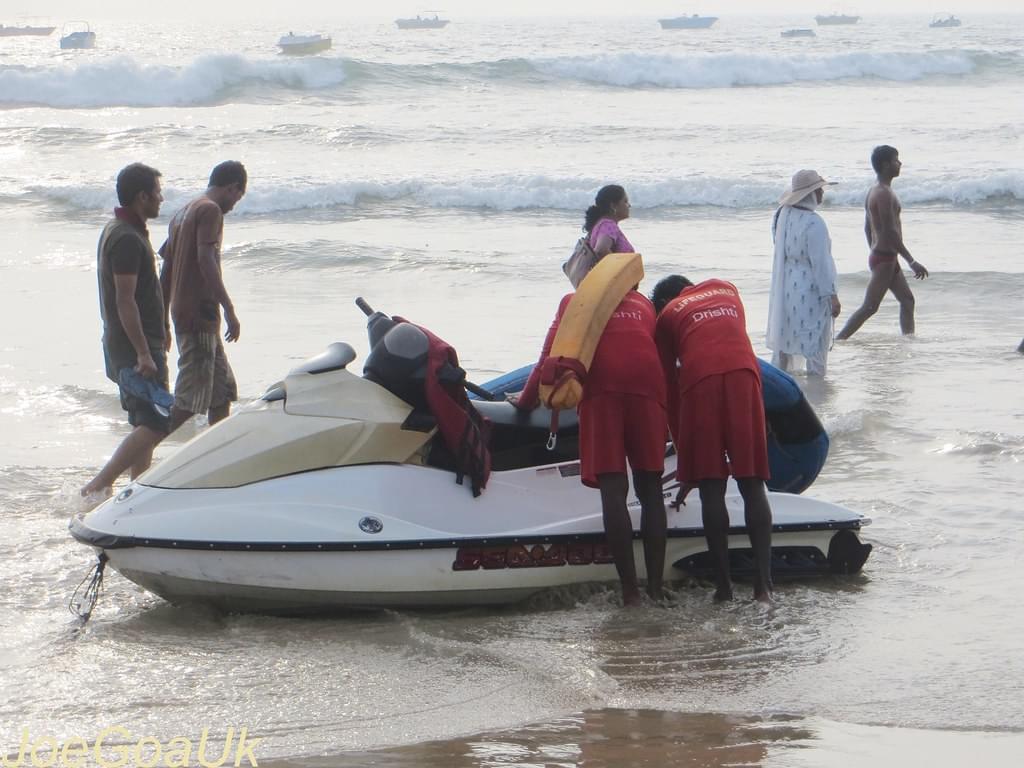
<point>803,302</point>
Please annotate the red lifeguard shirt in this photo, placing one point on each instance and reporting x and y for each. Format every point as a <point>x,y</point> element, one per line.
<point>626,359</point>
<point>705,329</point>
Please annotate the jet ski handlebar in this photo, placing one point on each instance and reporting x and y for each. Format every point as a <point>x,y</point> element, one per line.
<point>361,303</point>
<point>479,391</point>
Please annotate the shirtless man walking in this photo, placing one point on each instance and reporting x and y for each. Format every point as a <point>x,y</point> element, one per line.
<point>884,232</point>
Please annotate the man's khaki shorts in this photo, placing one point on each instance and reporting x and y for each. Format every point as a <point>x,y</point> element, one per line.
<point>205,379</point>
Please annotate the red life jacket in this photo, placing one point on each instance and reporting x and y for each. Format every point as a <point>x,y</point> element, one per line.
<point>465,431</point>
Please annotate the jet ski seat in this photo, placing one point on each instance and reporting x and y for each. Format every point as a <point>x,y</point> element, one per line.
<point>502,412</point>
<point>518,438</point>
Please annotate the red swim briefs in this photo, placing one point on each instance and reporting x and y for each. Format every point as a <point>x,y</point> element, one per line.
<point>615,427</point>
<point>722,429</point>
<point>875,258</point>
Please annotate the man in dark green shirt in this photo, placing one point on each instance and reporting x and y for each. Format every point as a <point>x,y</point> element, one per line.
<point>132,310</point>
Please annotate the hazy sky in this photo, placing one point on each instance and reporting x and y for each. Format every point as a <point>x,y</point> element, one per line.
<point>57,10</point>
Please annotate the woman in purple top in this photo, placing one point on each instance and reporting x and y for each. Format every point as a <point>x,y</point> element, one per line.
<point>611,205</point>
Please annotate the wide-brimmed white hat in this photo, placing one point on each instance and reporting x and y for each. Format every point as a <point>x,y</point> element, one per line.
<point>804,182</point>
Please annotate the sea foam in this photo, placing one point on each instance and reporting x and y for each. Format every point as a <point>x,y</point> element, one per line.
<point>516,192</point>
<point>723,70</point>
<point>213,79</point>
<point>122,81</point>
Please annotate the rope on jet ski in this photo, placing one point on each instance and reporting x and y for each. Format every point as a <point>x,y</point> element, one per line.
<point>82,606</point>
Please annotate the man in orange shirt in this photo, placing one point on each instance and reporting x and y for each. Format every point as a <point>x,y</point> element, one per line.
<point>716,414</point>
<point>194,293</point>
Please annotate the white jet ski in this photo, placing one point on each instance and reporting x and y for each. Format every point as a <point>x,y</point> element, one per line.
<point>336,491</point>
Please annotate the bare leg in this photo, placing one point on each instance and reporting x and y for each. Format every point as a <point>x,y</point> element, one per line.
<point>716,530</point>
<point>219,413</point>
<point>880,282</point>
<point>758,516</point>
<point>654,527</point>
<point>901,290</point>
<point>141,464</point>
<point>135,451</point>
<point>618,529</point>
<point>179,417</point>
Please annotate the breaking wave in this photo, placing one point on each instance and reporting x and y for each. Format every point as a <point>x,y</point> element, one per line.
<point>213,79</point>
<point>518,192</point>
<point>122,81</point>
<point>726,70</point>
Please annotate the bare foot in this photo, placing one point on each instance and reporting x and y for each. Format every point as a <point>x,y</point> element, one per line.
<point>723,595</point>
<point>764,597</point>
<point>92,490</point>
<point>92,497</point>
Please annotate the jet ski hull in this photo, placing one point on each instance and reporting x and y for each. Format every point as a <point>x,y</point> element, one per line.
<point>387,535</point>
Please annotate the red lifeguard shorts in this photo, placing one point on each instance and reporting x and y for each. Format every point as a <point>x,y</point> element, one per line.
<point>615,427</point>
<point>722,429</point>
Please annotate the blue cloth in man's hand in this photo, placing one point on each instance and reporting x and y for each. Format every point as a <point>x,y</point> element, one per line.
<point>148,390</point>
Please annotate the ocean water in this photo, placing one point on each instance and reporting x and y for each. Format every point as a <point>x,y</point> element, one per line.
<point>443,176</point>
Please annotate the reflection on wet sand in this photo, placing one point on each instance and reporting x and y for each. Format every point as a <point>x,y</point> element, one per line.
<point>643,738</point>
<point>605,738</point>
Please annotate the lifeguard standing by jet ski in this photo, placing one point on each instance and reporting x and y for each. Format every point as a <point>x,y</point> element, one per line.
<point>717,415</point>
<point>609,324</point>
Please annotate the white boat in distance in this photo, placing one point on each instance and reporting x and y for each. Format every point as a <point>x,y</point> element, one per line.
<point>26,30</point>
<point>940,22</point>
<point>801,32</point>
<point>836,18</point>
<point>688,22</point>
<point>76,34</point>
<point>422,22</point>
<point>301,45</point>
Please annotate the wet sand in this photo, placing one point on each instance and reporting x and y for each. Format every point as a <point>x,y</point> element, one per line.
<point>614,738</point>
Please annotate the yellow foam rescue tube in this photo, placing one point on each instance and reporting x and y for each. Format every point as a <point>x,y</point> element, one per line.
<point>583,322</point>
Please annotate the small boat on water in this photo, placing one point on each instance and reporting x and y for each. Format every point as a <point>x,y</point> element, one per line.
<point>688,22</point>
<point>801,32</point>
<point>422,22</point>
<point>25,30</point>
<point>303,45</point>
<point>945,22</point>
<point>76,34</point>
<point>834,19</point>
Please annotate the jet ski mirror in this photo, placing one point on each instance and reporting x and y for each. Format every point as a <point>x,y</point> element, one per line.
<point>334,358</point>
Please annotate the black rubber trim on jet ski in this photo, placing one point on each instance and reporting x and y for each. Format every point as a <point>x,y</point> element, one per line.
<point>846,556</point>
<point>87,535</point>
